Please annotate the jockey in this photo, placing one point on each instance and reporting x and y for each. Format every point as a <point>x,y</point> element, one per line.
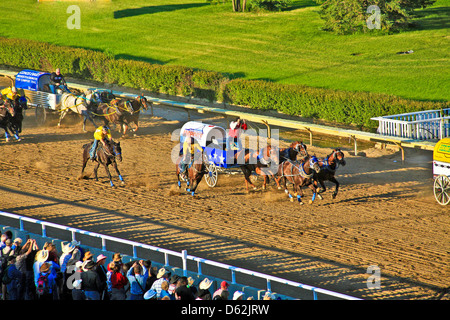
<point>190,146</point>
<point>102,134</point>
<point>57,81</point>
<point>10,93</point>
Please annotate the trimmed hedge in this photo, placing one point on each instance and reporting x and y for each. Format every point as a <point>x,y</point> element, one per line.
<point>332,105</point>
<point>344,107</point>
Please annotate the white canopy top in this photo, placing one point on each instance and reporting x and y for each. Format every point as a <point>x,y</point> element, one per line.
<point>204,133</point>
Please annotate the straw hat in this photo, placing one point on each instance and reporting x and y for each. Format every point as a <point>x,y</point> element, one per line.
<point>42,255</point>
<point>162,272</point>
<point>67,248</point>
<point>237,295</point>
<point>205,284</point>
<point>45,267</point>
<point>87,256</point>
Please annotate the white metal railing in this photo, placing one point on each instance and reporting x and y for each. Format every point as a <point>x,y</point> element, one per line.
<point>421,125</point>
<point>183,255</point>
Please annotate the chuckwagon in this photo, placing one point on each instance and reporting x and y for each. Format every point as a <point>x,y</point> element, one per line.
<point>441,171</point>
<point>36,86</point>
<point>212,139</point>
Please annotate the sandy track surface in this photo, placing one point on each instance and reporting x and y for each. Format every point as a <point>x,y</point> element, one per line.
<point>385,213</point>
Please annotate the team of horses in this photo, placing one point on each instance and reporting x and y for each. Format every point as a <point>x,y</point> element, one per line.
<point>292,164</point>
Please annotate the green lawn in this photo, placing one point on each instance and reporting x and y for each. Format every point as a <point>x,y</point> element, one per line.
<point>286,47</point>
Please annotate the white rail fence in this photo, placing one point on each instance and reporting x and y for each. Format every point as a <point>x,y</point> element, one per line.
<point>183,255</point>
<point>421,125</point>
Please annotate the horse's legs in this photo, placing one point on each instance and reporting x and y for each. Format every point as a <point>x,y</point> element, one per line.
<point>333,179</point>
<point>194,186</point>
<point>85,160</point>
<point>109,174</point>
<point>63,114</point>
<point>114,163</point>
<point>96,171</point>
<point>313,188</point>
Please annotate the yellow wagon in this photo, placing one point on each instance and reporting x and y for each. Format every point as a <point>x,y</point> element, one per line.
<point>441,171</point>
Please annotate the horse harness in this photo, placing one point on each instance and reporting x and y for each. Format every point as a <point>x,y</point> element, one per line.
<point>301,169</point>
<point>328,166</point>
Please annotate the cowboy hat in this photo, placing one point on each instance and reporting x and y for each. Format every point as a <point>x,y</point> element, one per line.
<point>75,243</point>
<point>205,284</point>
<point>67,248</point>
<point>45,267</point>
<point>87,256</point>
<point>42,255</point>
<point>150,294</point>
<point>162,272</point>
<point>88,265</point>
<point>100,257</point>
<point>79,265</point>
<point>237,295</point>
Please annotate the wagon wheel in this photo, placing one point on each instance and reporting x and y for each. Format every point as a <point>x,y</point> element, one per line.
<point>211,175</point>
<point>41,115</point>
<point>442,189</point>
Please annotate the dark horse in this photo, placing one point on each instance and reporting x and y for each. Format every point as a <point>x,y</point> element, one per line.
<point>139,103</point>
<point>328,167</point>
<point>300,174</point>
<point>195,172</point>
<point>266,166</point>
<point>291,152</point>
<point>6,114</point>
<point>114,112</point>
<point>104,156</point>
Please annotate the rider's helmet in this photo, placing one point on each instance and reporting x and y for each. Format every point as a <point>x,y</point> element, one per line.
<point>13,89</point>
<point>105,128</point>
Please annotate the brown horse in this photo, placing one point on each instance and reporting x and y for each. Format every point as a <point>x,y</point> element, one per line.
<point>300,174</point>
<point>139,103</point>
<point>195,172</point>
<point>104,156</point>
<point>328,167</point>
<point>265,164</point>
<point>115,112</point>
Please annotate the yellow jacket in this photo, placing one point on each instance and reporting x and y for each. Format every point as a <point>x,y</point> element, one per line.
<point>7,92</point>
<point>99,135</point>
<point>190,148</point>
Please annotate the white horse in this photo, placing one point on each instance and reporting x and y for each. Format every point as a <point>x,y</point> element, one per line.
<point>77,104</point>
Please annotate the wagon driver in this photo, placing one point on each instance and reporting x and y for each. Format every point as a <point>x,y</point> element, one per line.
<point>191,148</point>
<point>103,134</point>
<point>236,128</point>
<point>57,81</point>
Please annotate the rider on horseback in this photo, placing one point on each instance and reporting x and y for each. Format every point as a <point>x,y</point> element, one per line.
<point>10,93</point>
<point>190,146</point>
<point>102,134</point>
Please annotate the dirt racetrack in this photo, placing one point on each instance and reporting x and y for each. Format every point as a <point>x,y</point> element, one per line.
<point>385,213</point>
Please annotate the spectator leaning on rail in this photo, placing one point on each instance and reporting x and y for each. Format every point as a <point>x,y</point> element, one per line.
<point>137,276</point>
<point>57,81</point>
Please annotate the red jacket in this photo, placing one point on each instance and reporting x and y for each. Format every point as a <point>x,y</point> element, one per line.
<point>118,280</point>
<point>234,133</point>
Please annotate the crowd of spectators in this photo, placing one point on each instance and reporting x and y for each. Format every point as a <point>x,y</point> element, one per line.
<point>28,272</point>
